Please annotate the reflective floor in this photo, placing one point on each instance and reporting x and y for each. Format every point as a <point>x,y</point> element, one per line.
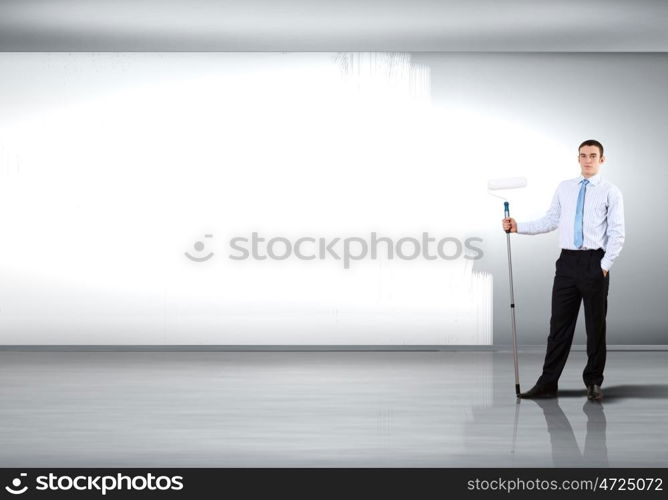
<point>324,409</point>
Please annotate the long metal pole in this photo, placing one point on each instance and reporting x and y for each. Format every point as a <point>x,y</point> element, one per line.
<point>506,207</point>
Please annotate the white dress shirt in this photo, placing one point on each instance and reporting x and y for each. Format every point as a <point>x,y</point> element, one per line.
<point>603,218</point>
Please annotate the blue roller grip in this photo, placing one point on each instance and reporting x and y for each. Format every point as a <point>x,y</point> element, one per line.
<point>506,211</point>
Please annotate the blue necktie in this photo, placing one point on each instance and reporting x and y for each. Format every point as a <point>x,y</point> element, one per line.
<point>579,237</point>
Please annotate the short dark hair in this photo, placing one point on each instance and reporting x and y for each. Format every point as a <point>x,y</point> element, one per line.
<point>592,142</point>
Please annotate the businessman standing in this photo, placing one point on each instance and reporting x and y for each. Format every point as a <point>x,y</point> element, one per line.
<point>589,213</point>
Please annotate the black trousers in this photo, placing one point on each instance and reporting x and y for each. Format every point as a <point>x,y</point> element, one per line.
<point>578,279</point>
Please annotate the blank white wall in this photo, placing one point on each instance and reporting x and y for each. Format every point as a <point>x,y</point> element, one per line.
<point>116,165</point>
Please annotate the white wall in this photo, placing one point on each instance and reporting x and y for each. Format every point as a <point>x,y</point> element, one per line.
<point>116,165</point>
<point>113,166</point>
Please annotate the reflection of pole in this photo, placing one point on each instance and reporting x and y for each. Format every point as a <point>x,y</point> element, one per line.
<point>506,209</point>
<point>517,417</point>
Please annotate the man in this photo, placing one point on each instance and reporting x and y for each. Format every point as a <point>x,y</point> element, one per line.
<point>589,213</point>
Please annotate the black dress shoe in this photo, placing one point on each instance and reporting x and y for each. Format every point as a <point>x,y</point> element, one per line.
<point>540,391</point>
<point>594,393</point>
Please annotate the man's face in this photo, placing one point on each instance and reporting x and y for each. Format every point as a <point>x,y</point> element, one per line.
<point>590,160</point>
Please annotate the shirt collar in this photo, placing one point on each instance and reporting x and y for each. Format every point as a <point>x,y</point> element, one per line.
<point>594,180</point>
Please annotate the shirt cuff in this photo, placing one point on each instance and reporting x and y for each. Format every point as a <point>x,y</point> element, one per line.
<point>606,265</point>
<point>521,228</point>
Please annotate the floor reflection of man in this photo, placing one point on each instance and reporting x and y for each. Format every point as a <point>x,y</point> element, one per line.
<point>565,450</point>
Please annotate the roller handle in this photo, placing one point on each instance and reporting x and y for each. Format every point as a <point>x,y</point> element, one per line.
<point>506,212</point>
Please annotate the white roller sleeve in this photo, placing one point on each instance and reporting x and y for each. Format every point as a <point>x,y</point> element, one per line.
<point>507,183</point>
